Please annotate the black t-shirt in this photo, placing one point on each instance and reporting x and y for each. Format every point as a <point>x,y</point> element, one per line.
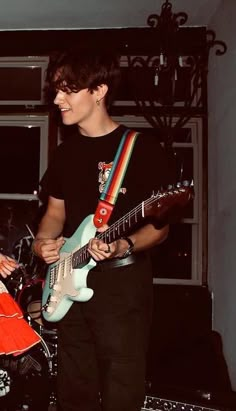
<point>78,172</point>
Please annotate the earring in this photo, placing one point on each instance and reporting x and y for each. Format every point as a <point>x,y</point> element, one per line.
<point>98,102</point>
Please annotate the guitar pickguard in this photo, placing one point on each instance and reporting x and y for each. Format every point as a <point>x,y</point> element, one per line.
<point>64,285</point>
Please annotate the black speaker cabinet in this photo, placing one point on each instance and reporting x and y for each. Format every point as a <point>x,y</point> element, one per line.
<point>184,352</point>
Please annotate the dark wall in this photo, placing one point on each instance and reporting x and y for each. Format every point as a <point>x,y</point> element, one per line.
<point>191,40</point>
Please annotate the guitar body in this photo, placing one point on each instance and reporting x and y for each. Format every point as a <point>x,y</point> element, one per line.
<point>63,284</point>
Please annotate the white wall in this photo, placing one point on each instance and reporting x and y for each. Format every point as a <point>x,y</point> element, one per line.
<point>222,181</point>
<point>74,14</point>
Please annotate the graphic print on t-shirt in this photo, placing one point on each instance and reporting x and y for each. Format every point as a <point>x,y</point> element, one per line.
<point>104,172</point>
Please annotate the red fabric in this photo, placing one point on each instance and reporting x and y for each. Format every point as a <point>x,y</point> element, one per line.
<point>16,336</point>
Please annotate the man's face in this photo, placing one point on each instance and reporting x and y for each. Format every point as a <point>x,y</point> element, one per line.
<point>76,108</point>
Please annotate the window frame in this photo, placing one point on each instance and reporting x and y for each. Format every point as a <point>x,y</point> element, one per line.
<point>26,62</point>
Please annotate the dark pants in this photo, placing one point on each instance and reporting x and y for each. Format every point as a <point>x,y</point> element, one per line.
<point>102,343</point>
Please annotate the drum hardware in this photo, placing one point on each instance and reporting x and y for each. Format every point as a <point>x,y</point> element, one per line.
<point>5,382</point>
<point>15,281</point>
<point>34,310</point>
<point>36,367</point>
<point>29,299</point>
<point>29,363</point>
<point>50,349</point>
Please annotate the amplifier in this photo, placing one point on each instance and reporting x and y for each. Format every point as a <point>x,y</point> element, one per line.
<point>161,404</point>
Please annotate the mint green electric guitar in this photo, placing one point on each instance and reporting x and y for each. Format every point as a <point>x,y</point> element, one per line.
<point>66,280</point>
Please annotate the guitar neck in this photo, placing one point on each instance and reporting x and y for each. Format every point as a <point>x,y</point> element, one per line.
<point>157,205</point>
<point>124,224</point>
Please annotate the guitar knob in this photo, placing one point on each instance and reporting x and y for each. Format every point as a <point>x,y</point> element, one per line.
<point>186,183</point>
<point>57,287</point>
<point>53,298</point>
<point>49,309</point>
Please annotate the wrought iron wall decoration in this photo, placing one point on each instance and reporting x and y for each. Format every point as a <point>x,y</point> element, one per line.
<point>179,72</point>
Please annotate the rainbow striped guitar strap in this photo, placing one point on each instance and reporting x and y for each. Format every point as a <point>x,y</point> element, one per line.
<point>112,187</point>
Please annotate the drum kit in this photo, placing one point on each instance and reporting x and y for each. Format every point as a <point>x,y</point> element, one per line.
<point>29,381</point>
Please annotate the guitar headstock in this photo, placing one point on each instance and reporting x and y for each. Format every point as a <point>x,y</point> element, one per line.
<point>163,202</point>
<point>180,194</point>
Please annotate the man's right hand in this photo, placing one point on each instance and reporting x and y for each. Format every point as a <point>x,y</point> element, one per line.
<point>48,249</point>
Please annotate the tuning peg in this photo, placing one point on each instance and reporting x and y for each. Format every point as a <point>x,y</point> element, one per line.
<point>186,183</point>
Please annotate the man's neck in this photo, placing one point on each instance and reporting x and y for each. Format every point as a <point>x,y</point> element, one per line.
<point>98,128</point>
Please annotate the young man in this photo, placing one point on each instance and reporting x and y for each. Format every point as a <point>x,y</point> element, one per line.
<point>102,343</point>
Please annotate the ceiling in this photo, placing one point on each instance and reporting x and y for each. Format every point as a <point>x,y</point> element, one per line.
<point>88,14</point>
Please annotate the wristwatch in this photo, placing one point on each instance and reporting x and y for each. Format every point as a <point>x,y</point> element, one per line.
<point>130,248</point>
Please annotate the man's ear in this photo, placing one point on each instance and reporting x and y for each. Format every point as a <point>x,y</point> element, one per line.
<point>101,91</point>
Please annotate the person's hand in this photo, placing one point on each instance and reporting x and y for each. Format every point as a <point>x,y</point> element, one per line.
<point>7,265</point>
<point>48,249</point>
<point>99,250</point>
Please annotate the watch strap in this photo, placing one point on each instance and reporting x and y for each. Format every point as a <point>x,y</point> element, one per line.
<point>130,247</point>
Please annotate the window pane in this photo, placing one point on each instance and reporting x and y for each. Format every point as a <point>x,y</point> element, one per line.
<point>173,258</point>
<point>20,83</point>
<point>182,135</point>
<point>19,159</point>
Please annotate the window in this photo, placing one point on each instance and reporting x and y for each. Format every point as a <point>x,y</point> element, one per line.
<point>22,80</point>
<point>23,160</point>
<point>179,259</point>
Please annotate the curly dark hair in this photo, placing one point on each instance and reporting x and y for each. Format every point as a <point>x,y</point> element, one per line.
<point>76,70</point>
